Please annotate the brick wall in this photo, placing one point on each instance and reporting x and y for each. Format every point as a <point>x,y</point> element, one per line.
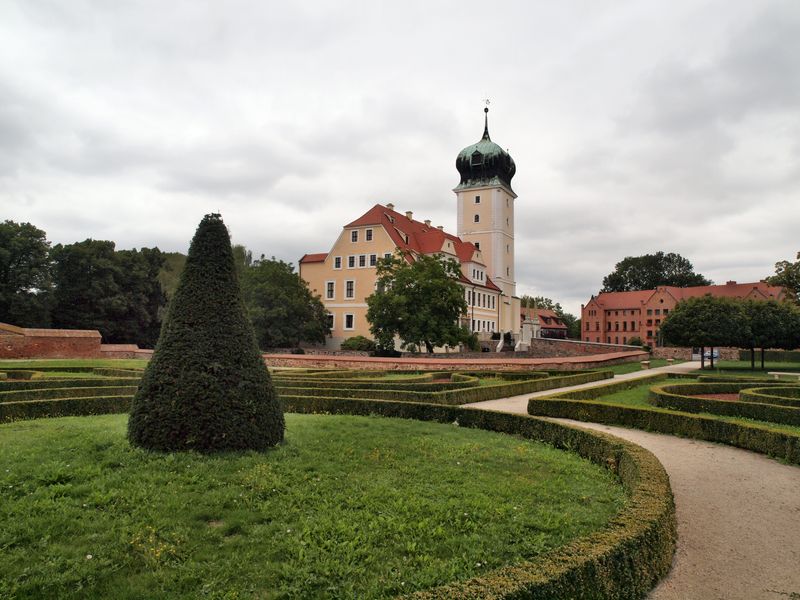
<point>55,345</point>
<point>124,351</point>
<point>686,353</point>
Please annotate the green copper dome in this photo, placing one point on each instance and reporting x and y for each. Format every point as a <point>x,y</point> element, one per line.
<point>485,163</point>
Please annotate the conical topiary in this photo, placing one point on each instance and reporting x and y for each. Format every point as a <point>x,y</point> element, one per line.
<point>206,387</point>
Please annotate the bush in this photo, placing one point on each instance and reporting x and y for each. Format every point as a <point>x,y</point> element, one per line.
<point>297,351</point>
<point>635,341</point>
<point>496,335</point>
<point>358,343</point>
<point>206,387</point>
<point>20,374</point>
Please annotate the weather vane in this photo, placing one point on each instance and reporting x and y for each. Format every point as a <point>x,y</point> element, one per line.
<point>487,102</point>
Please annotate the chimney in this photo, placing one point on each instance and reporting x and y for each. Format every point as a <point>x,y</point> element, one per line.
<point>440,227</point>
<point>730,283</point>
<point>409,214</point>
<point>427,222</point>
<point>390,206</point>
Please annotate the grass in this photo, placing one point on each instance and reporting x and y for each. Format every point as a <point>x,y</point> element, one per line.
<point>742,368</point>
<point>637,397</point>
<point>348,507</point>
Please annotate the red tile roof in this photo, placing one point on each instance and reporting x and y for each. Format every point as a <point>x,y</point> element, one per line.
<point>314,258</point>
<point>418,237</point>
<point>547,318</point>
<point>621,300</point>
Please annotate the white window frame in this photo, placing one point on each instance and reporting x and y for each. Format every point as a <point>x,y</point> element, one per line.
<point>354,236</point>
<point>352,297</point>
<point>351,261</point>
<point>368,235</point>
<point>333,322</point>
<point>352,322</point>
<point>332,296</point>
<point>362,261</point>
<point>373,260</point>
<point>339,258</point>
<point>476,219</point>
<point>477,199</point>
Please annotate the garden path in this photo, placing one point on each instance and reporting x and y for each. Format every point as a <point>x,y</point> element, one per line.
<point>738,514</point>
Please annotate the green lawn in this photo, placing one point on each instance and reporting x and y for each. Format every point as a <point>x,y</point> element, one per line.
<point>637,397</point>
<point>347,507</point>
<point>742,368</point>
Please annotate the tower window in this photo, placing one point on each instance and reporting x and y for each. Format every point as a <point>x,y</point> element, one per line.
<point>477,199</point>
<point>477,245</point>
<point>476,159</point>
<point>477,218</point>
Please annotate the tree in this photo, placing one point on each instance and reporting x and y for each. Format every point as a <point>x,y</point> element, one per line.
<point>419,299</point>
<point>206,387</point>
<point>24,275</point>
<point>283,310</point>
<point>116,292</point>
<point>707,321</point>
<point>572,322</point>
<point>650,271</point>
<point>771,325</point>
<point>787,275</point>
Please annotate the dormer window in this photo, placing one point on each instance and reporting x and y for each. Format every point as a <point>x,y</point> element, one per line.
<point>476,159</point>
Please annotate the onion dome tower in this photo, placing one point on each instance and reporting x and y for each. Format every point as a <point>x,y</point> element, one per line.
<point>486,215</point>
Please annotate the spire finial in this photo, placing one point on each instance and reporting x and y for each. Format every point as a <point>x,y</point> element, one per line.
<point>486,119</point>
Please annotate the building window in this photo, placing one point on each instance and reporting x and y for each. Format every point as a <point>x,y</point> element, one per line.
<point>387,256</point>
<point>658,311</point>
<point>587,329</point>
<point>476,159</point>
<point>351,262</point>
<point>507,221</point>
<point>368,235</point>
<point>330,321</point>
<point>624,326</point>
<point>330,290</point>
<point>477,218</point>
<point>354,235</point>
<point>649,334</point>
<point>508,271</point>
<point>362,260</point>
<point>373,260</point>
<point>616,326</point>
<point>477,199</point>
<point>348,321</point>
<point>597,326</point>
<point>666,311</point>
<point>337,262</point>
<point>633,325</point>
<point>477,245</point>
<point>649,311</point>
<point>658,322</point>
<point>508,249</point>
<point>350,289</point>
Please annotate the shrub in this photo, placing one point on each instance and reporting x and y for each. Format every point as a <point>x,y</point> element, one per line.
<point>206,387</point>
<point>20,374</point>
<point>635,341</point>
<point>297,351</point>
<point>359,343</point>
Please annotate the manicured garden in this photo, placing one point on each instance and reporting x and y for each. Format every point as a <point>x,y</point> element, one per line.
<point>346,507</point>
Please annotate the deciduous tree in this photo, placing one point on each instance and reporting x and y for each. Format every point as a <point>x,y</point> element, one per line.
<point>421,301</point>
<point>24,275</point>
<point>283,310</point>
<point>787,275</point>
<point>650,271</point>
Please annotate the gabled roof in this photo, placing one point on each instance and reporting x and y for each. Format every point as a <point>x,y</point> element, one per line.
<point>635,299</point>
<point>547,318</point>
<point>314,258</point>
<point>408,234</point>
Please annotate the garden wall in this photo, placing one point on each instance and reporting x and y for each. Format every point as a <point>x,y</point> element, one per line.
<point>19,342</point>
<point>686,353</point>
<point>484,362</point>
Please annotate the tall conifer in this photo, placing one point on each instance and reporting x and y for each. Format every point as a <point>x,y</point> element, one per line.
<point>206,387</point>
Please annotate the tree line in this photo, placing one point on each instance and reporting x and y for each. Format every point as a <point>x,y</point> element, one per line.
<point>124,293</point>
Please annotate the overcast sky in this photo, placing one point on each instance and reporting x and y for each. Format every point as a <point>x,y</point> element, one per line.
<point>636,126</point>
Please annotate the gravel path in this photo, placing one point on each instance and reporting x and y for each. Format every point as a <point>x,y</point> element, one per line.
<point>738,516</point>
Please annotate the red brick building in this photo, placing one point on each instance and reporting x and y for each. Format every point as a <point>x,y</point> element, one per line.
<point>616,317</point>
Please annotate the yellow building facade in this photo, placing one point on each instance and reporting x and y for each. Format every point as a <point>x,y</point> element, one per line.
<point>346,275</point>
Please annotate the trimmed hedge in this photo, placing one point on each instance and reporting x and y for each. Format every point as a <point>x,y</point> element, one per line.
<point>758,438</point>
<point>65,407</point>
<point>681,397</point>
<point>68,392</point>
<point>109,372</point>
<point>449,397</point>
<point>773,356</point>
<point>624,560</point>
<point>780,395</point>
<point>58,382</point>
<point>20,374</point>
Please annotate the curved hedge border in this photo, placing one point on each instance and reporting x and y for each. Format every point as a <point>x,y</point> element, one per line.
<point>624,560</point>
<point>780,395</point>
<point>682,397</point>
<point>578,405</point>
